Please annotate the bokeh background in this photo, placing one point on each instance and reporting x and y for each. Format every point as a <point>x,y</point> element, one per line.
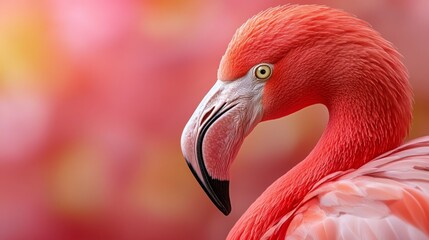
<point>94,95</point>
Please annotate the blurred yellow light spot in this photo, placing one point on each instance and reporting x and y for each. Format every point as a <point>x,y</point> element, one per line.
<point>27,55</point>
<point>164,186</point>
<point>78,182</point>
<point>163,19</point>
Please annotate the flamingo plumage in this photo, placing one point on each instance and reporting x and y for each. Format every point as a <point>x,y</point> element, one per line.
<point>358,182</point>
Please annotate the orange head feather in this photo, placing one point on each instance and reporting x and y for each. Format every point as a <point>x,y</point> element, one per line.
<point>269,35</point>
<point>314,49</point>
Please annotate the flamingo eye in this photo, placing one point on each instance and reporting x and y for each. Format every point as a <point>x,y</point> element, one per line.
<point>263,71</point>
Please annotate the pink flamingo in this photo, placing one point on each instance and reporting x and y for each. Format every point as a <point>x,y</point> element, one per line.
<point>352,185</point>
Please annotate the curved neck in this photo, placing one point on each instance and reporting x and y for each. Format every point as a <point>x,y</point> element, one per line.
<point>363,123</point>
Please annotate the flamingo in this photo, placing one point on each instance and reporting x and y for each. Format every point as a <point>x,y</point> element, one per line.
<point>358,182</point>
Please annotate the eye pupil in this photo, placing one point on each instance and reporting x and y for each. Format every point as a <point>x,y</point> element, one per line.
<point>263,71</point>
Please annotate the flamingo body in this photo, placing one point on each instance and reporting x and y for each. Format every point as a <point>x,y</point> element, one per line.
<point>358,182</point>
<point>386,198</point>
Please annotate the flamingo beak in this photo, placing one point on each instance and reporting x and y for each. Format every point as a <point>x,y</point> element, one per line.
<point>213,135</point>
<point>216,189</point>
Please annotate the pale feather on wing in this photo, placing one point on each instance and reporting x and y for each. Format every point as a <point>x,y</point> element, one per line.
<point>387,198</point>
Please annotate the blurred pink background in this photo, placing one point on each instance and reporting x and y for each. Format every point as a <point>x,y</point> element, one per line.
<point>94,96</point>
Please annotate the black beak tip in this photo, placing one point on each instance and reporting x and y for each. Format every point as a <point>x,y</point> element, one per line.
<point>220,189</point>
<point>217,190</point>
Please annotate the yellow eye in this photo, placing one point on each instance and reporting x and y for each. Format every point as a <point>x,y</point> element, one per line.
<point>263,71</point>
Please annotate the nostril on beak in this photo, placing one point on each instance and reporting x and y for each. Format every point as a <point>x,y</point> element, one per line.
<point>206,115</point>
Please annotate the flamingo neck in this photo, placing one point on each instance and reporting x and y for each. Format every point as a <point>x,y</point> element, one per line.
<point>364,121</point>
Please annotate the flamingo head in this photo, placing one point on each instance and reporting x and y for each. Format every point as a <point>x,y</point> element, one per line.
<point>271,68</point>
